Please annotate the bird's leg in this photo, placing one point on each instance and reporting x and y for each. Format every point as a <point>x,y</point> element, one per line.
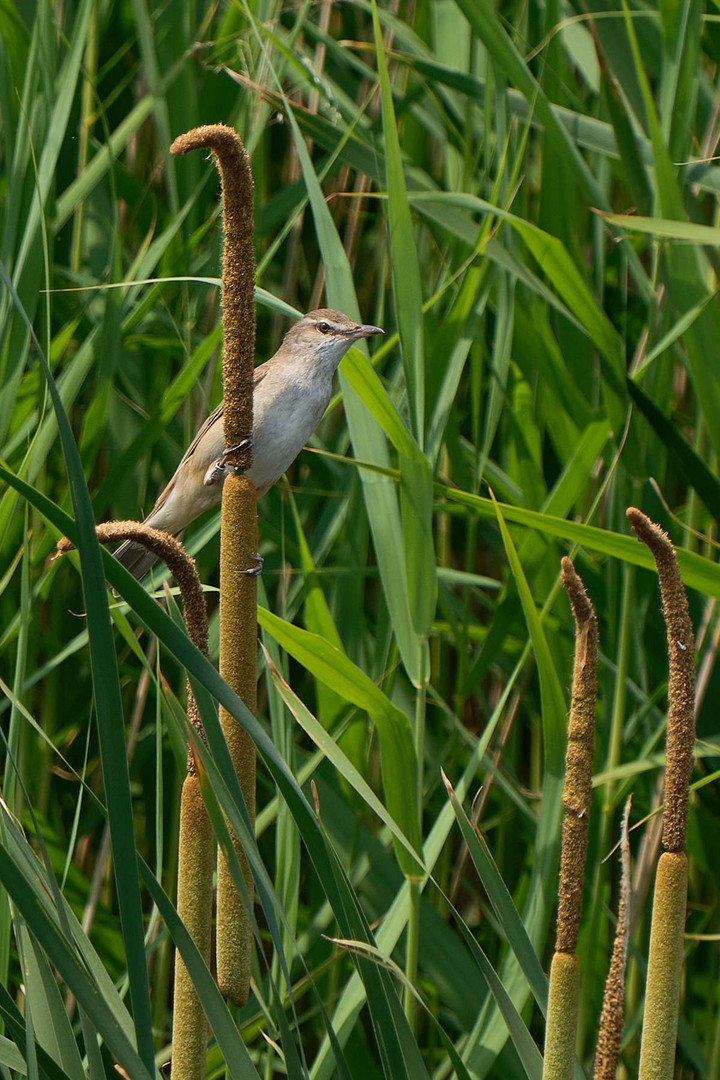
<point>255,570</point>
<point>219,469</point>
<point>244,444</point>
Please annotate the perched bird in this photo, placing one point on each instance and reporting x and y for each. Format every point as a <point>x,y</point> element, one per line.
<point>291,391</point>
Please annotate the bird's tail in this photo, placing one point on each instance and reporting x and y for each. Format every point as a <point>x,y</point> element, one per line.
<point>135,558</point>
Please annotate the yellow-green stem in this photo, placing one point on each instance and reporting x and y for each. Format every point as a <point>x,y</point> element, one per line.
<point>238,665</point>
<point>664,974</point>
<point>413,927</point>
<point>619,698</point>
<point>411,952</point>
<point>87,99</point>
<point>195,870</point>
<point>561,1025</point>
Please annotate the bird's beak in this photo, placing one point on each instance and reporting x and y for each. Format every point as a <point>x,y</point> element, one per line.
<point>365,331</point>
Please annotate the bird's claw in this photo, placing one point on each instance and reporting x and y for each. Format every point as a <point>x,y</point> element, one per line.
<point>255,570</point>
<point>219,469</point>
<point>244,444</point>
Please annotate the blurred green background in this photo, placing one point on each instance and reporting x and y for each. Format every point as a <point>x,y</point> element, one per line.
<point>514,194</point>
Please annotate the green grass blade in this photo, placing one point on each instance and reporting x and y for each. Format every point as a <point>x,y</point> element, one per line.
<point>369,445</point>
<point>109,715</point>
<point>405,268</point>
<point>52,1026</point>
<point>235,1053</point>
<point>334,754</point>
<point>73,972</point>
<point>690,465</point>
<point>697,572</point>
<point>399,767</point>
<point>487,1039</point>
<point>502,903</point>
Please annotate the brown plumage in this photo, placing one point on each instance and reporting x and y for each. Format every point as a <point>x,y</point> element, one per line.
<point>291,391</point>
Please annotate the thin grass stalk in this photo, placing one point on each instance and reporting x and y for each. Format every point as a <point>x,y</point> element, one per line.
<point>412,950</point>
<point>238,532</point>
<point>563,991</point>
<point>664,974</point>
<point>607,1054</point>
<point>597,919</point>
<point>87,110</point>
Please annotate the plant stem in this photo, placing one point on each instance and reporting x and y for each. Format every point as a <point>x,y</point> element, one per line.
<point>413,927</point>
<point>411,953</point>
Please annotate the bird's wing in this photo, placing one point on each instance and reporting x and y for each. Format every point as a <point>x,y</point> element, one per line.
<point>214,417</point>
<point>259,373</point>
<point>258,376</point>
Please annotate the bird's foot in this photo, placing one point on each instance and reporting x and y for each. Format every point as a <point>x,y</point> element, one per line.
<point>217,471</point>
<point>220,468</point>
<point>255,570</point>
<point>244,444</point>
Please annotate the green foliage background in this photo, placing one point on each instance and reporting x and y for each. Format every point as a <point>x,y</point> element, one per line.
<point>449,171</point>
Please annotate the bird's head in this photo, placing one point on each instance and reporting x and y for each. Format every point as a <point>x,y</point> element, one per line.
<point>324,336</point>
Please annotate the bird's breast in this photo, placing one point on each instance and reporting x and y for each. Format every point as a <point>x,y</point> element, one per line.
<point>286,412</point>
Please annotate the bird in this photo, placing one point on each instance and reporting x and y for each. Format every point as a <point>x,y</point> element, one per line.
<point>291,391</point>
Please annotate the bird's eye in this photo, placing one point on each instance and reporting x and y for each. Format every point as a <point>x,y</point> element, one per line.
<point>324,327</point>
